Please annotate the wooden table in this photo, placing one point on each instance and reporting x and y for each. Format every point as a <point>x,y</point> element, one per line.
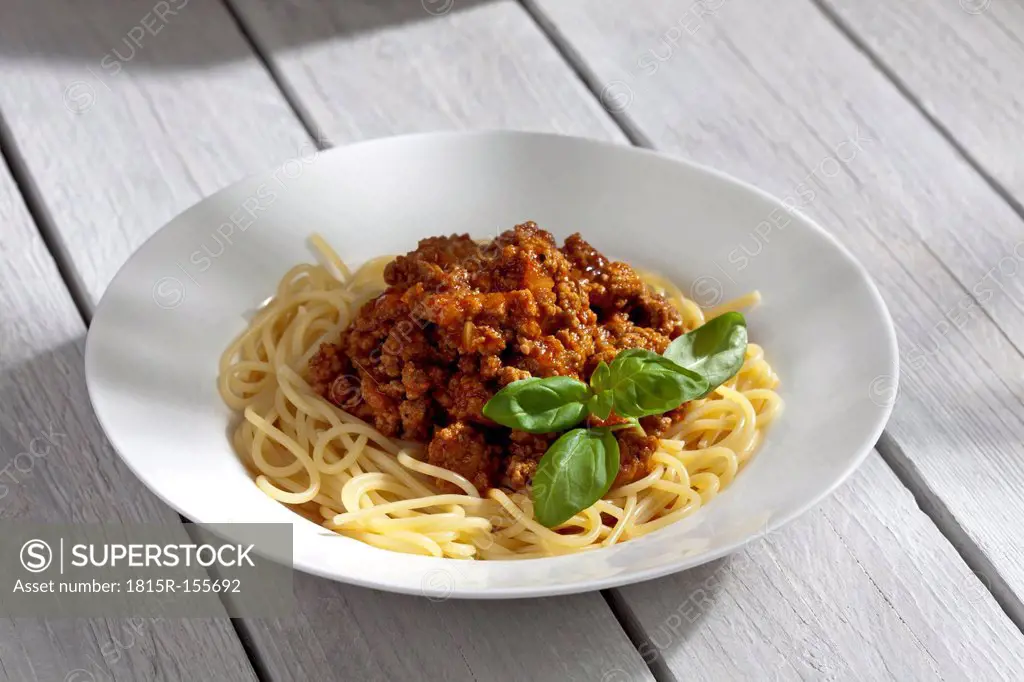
<point>115,116</point>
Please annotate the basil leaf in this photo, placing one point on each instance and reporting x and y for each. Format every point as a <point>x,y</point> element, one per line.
<point>645,383</point>
<point>575,472</point>
<point>601,404</point>
<point>715,350</point>
<point>539,405</point>
<point>599,379</point>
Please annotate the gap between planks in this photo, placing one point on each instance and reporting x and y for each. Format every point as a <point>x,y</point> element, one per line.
<point>902,467</point>
<point>44,226</point>
<point>935,509</point>
<point>363,595</point>
<point>289,95</point>
<point>43,221</point>
<point>48,233</point>
<point>619,607</point>
<point>632,629</point>
<point>861,45</point>
<point>972,555</point>
<point>574,62</point>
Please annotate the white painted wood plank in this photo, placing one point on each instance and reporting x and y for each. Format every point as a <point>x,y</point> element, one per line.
<point>862,588</point>
<point>737,85</point>
<point>694,103</point>
<point>78,479</point>
<point>342,103</point>
<point>963,61</point>
<point>358,634</point>
<point>311,641</point>
<point>120,138</point>
<point>170,130</point>
<point>371,69</point>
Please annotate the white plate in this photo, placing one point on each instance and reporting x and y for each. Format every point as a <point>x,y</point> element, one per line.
<point>152,351</point>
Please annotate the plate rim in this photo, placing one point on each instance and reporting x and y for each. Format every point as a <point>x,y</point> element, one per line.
<point>588,584</point>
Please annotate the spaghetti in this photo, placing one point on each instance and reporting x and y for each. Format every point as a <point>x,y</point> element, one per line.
<point>339,471</point>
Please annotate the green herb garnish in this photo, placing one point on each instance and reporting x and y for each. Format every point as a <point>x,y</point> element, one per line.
<point>575,472</point>
<point>643,383</point>
<point>715,350</point>
<point>540,405</point>
<point>580,467</point>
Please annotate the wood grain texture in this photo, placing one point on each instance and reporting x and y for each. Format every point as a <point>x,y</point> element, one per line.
<point>344,106</point>
<point>862,588</point>
<point>486,65</point>
<point>359,634</point>
<point>744,90</point>
<point>121,137</point>
<point>188,114</point>
<point>369,68</point>
<point>962,61</point>
<point>78,479</point>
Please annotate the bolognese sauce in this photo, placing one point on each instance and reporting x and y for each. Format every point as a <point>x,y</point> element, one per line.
<point>459,320</point>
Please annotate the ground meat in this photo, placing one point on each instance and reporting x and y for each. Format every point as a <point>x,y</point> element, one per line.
<point>460,320</point>
<point>386,416</point>
<point>524,452</point>
<point>416,381</point>
<point>468,394</point>
<point>464,449</point>
<point>432,262</point>
<point>345,391</point>
<point>417,419</point>
<point>325,366</point>
<point>634,450</point>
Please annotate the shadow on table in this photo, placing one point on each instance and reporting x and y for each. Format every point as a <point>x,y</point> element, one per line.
<point>55,462</point>
<point>114,35</point>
